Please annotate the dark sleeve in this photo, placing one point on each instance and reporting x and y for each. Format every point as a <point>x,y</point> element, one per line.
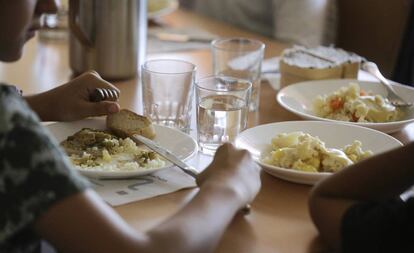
<point>379,227</point>
<point>34,172</point>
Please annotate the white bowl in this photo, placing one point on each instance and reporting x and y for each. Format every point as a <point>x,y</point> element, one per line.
<point>335,135</point>
<point>298,98</point>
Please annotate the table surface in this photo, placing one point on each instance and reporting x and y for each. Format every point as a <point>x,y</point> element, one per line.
<point>279,221</point>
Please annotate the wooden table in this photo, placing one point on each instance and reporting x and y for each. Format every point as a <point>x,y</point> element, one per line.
<point>279,221</point>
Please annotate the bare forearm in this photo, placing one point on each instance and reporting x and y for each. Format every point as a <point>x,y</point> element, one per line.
<point>380,177</point>
<point>71,101</point>
<point>231,181</point>
<point>199,226</point>
<point>196,228</point>
<point>42,105</point>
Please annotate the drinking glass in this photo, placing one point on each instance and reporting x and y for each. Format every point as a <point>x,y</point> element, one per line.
<point>168,88</point>
<point>222,108</point>
<point>241,58</point>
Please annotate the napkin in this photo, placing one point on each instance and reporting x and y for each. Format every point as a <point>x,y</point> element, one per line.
<point>155,45</point>
<point>270,67</point>
<point>246,61</point>
<point>270,72</point>
<point>123,191</point>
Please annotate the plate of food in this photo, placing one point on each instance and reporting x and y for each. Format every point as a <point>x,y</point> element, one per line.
<point>307,151</point>
<point>349,101</point>
<point>158,8</point>
<point>98,152</point>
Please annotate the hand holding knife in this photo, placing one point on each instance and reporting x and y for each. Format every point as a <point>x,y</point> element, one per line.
<point>175,160</point>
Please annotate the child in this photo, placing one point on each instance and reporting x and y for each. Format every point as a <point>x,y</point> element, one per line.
<point>41,196</point>
<point>359,209</point>
<point>18,22</point>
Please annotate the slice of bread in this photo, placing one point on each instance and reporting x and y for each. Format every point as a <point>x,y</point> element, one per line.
<point>126,123</point>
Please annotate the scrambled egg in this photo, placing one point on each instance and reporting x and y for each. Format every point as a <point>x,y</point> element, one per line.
<point>355,105</point>
<point>301,151</point>
<point>99,150</point>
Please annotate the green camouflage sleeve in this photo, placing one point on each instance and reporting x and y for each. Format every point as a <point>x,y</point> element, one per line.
<point>34,172</point>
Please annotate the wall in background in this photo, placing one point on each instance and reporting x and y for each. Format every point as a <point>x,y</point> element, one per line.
<point>373,29</point>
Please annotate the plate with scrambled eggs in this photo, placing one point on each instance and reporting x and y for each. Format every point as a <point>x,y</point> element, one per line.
<point>308,151</point>
<point>98,153</point>
<point>349,101</point>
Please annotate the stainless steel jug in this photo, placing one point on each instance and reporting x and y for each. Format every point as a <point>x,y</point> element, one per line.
<point>108,36</point>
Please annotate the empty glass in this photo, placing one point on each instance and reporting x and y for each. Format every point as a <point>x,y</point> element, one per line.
<point>222,108</point>
<point>241,58</point>
<point>168,88</point>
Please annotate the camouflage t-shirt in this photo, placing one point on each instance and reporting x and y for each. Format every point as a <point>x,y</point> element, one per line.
<point>34,173</point>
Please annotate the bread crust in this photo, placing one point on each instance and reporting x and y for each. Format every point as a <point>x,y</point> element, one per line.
<point>126,123</point>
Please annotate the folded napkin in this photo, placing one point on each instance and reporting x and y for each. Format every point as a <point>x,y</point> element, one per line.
<point>123,191</point>
<point>270,72</point>
<point>246,61</point>
<point>270,67</point>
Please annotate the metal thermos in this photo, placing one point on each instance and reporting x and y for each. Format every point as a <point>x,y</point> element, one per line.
<point>108,36</point>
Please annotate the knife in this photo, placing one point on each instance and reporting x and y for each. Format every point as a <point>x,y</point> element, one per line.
<point>166,154</point>
<point>176,37</point>
<point>175,160</point>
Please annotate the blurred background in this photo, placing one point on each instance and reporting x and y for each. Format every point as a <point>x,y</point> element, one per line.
<point>380,30</point>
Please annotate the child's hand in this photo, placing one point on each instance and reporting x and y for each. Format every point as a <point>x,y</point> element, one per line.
<point>233,169</point>
<point>70,101</point>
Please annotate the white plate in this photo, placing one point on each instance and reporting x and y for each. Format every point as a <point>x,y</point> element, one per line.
<point>336,135</point>
<point>159,8</point>
<point>179,143</point>
<point>298,98</point>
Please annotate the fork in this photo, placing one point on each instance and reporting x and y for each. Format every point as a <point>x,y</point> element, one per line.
<point>394,99</point>
<point>100,94</point>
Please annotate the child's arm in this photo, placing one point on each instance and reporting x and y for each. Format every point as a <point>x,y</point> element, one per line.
<point>70,101</point>
<point>84,223</point>
<point>375,179</point>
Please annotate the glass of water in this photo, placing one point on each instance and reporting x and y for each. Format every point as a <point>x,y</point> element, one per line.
<point>167,89</point>
<point>222,108</point>
<point>241,58</point>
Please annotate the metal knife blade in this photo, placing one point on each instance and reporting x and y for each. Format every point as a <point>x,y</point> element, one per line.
<point>166,154</point>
